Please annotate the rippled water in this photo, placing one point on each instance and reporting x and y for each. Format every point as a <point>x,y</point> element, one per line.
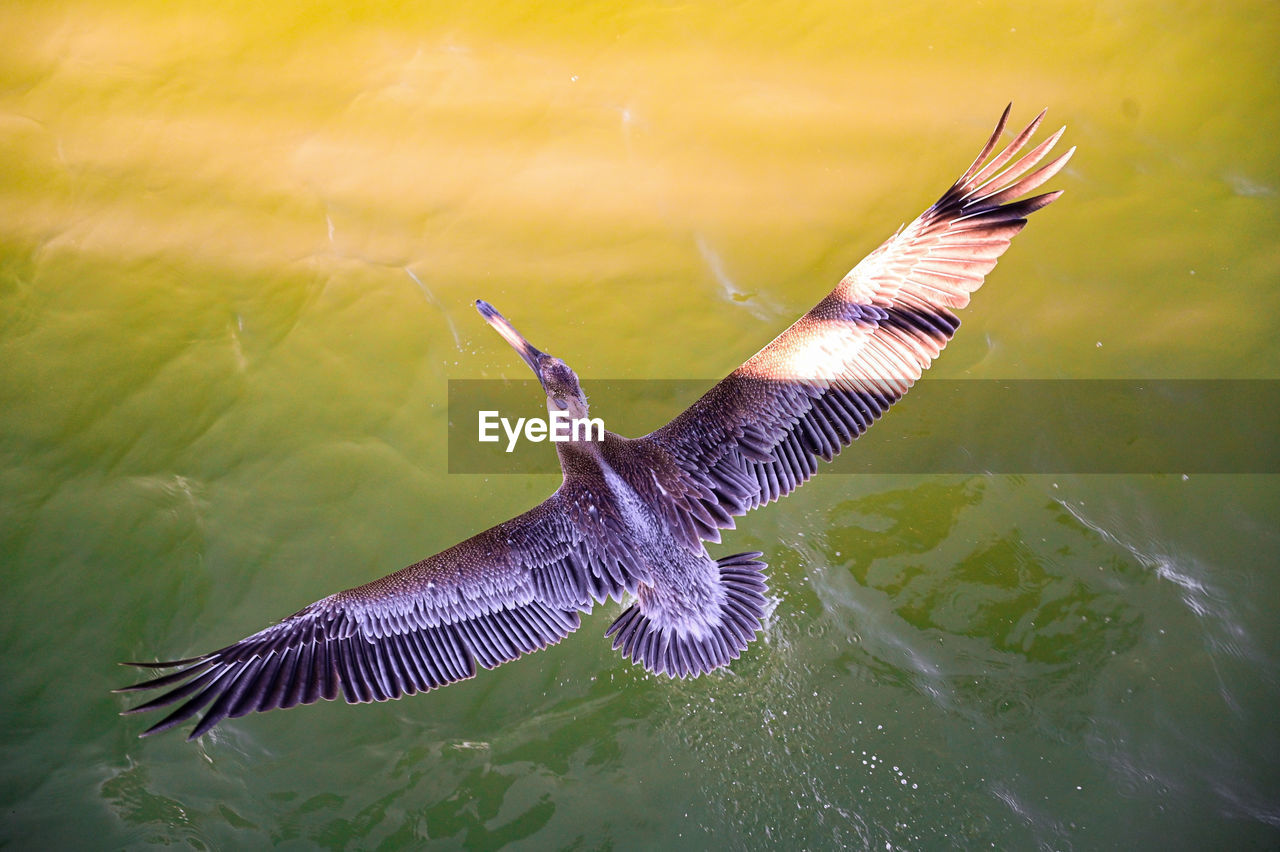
<point>237,255</point>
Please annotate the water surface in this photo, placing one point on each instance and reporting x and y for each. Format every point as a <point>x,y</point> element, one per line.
<point>237,255</point>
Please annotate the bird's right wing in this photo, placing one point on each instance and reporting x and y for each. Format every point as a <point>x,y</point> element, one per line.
<point>758,434</point>
<point>508,591</point>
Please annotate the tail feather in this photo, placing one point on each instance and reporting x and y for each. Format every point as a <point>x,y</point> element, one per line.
<point>664,650</point>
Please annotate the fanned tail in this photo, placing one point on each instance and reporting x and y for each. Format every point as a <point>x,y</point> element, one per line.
<point>663,649</point>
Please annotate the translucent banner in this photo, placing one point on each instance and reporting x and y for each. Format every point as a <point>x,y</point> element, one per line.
<point>1165,426</point>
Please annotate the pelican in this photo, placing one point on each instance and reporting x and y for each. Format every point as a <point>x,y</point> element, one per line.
<point>630,519</point>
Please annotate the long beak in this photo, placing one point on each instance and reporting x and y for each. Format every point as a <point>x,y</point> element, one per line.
<point>508,331</point>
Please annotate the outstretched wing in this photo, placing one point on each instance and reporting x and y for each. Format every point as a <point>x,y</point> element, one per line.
<point>758,434</point>
<point>511,590</point>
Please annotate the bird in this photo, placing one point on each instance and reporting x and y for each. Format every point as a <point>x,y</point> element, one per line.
<point>632,517</point>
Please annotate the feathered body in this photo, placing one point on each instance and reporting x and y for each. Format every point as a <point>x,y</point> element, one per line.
<point>632,515</point>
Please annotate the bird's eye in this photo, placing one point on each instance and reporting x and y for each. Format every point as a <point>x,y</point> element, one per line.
<point>562,404</point>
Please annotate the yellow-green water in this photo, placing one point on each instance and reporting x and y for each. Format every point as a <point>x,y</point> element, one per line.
<point>238,250</point>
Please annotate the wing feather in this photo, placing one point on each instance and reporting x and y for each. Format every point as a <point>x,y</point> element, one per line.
<point>509,591</point>
<point>757,435</point>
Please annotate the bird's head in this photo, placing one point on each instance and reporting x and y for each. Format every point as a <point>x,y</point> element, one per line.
<point>557,379</point>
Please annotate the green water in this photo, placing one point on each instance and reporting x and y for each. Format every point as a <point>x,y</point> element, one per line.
<point>237,254</point>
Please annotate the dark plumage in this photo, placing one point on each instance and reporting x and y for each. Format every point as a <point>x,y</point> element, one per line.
<point>632,514</point>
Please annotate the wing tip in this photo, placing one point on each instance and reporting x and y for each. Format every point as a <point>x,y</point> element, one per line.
<point>987,148</point>
<point>163,725</point>
<point>1039,202</point>
<point>165,664</point>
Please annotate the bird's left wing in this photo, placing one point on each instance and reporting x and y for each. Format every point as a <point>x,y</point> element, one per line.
<point>508,591</point>
<point>758,434</point>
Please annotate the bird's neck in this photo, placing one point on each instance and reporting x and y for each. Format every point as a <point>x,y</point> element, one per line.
<point>582,455</point>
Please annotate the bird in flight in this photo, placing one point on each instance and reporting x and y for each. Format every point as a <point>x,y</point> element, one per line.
<point>631,516</point>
